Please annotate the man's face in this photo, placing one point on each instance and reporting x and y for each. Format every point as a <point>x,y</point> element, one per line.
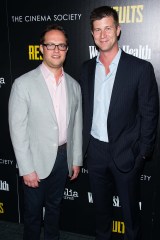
<point>54,58</point>
<point>105,34</point>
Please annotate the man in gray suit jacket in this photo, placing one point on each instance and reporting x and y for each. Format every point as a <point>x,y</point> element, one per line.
<point>45,120</point>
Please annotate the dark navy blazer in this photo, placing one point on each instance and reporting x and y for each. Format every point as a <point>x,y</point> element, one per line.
<point>133,112</point>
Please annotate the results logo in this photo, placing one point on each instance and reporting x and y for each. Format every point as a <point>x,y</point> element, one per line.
<point>130,14</point>
<point>1,208</point>
<point>118,227</point>
<point>34,53</point>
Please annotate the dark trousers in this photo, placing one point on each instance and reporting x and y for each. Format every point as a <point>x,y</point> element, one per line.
<point>49,194</point>
<point>104,177</point>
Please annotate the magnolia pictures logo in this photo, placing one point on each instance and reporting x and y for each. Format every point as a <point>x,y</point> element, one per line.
<point>70,194</point>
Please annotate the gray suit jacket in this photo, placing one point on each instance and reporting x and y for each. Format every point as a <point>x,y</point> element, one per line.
<point>33,125</point>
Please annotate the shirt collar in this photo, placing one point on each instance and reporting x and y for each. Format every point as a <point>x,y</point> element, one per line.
<point>115,61</point>
<point>48,74</point>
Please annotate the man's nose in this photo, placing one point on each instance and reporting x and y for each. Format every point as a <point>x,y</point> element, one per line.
<point>56,49</point>
<point>103,33</point>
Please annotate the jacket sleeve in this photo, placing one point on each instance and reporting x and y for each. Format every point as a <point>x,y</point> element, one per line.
<point>77,132</point>
<point>149,109</point>
<point>18,121</point>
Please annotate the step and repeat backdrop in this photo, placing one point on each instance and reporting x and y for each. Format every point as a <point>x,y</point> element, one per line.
<point>21,25</point>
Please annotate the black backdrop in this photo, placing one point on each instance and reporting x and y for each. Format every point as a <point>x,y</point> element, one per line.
<point>21,24</point>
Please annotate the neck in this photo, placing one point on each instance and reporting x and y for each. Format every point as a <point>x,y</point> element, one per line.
<point>107,57</point>
<point>57,73</point>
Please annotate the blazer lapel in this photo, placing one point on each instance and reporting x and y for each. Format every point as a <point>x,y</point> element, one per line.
<point>119,81</point>
<point>91,81</point>
<point>68,97</point>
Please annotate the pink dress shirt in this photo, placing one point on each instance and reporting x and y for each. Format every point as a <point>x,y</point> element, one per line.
<point>57,92</point>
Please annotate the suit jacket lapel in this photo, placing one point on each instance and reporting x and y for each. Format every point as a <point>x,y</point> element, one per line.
<point>91,82</point>
<point>68,96</point>
<point>119,82</point>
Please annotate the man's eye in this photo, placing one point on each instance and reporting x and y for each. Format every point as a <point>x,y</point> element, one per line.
<point>49,44</point>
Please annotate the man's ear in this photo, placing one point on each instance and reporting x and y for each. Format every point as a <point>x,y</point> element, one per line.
<point>41,49</point>
<point>118,31</point>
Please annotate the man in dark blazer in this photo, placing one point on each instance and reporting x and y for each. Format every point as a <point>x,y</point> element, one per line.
<point>120,111</point>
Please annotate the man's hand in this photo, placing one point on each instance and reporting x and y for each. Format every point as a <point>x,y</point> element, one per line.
<point>31,180</point>
<point>76,170</point>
